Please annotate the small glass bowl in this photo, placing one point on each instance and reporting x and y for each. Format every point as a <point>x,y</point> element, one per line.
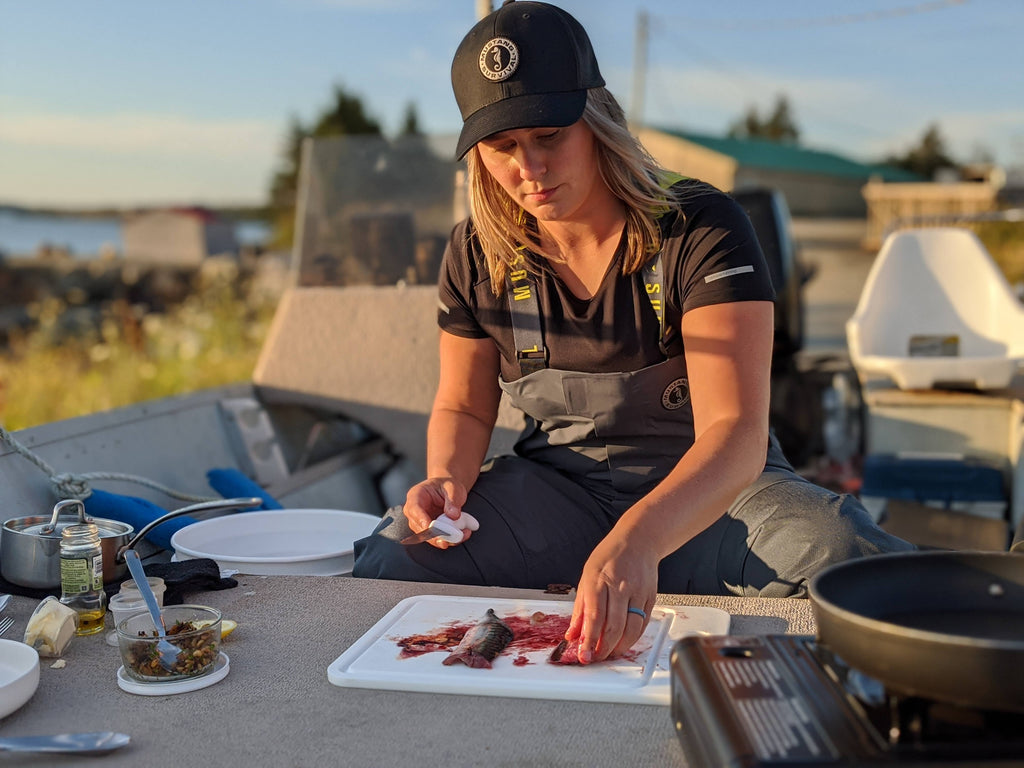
<point>200,646</point>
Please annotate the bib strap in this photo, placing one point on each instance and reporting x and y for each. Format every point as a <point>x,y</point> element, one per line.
<point>527,333</point>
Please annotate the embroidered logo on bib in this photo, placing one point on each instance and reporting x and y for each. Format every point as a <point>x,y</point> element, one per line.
<point>499,59</point>
<point>676,395</point>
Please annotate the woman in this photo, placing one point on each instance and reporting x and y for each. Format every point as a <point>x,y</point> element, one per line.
<point>628,312</point>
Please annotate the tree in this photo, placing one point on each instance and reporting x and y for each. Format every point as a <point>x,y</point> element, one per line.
<point>344,116</point>
<point>411,122</point>
<point>779,126</point>
<point>927,157</point>
<point>284,188</point>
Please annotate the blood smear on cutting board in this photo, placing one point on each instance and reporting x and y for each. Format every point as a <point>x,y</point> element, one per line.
<point>536,632</point>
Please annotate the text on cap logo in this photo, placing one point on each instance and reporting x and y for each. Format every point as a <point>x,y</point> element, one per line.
<point>499,59</point>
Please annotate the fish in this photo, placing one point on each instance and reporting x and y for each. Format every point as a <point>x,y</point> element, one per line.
<point>482,643</point>
<point>566,652</point>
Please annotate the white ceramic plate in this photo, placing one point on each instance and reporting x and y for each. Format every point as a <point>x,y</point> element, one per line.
<point>19,675</point>
<point>275,542</point>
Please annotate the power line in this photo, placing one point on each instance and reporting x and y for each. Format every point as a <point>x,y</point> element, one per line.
<point>818,21</point>
<point>740,78</point>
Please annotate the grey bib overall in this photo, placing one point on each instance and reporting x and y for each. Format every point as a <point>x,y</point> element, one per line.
<point>593,445</point>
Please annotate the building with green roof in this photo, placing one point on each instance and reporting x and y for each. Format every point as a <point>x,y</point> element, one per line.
<point>815,182</point>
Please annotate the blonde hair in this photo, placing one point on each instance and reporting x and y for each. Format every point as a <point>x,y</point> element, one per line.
<point>506,232</point>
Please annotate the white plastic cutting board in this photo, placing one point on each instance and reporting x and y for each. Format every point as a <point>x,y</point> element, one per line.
<point>374,660</point>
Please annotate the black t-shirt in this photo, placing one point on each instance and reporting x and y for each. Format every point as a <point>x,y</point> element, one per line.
<point>710,255</point>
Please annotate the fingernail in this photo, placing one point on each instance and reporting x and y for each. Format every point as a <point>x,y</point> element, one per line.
<point>586,656</point>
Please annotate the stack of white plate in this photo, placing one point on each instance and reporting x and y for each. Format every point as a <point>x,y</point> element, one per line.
<point>295,542</point>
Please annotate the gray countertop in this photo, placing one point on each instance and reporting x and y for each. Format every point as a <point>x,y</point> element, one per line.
<point>276,707</point>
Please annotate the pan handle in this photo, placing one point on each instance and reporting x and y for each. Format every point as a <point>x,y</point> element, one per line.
<point>205,506</point>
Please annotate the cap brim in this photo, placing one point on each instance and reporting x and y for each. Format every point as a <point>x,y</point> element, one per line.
<point>533,111</point>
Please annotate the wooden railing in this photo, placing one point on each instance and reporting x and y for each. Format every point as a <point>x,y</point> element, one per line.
<point>893,205</point>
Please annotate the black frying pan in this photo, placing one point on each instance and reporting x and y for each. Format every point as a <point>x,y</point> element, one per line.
<point>937,624</point>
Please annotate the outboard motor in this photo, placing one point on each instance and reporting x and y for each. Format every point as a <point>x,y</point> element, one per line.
<point>769,214</point>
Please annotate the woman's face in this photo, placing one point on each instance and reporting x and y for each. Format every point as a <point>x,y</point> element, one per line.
<point>551,172</point>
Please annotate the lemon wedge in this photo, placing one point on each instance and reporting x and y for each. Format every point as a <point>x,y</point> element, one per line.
<point>227,626</point>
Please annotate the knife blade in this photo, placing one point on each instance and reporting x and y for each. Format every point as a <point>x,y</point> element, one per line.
<point>419,538</point>
<point>444,527</point>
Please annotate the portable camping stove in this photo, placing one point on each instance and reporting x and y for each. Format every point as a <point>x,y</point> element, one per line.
<point>785,700</point>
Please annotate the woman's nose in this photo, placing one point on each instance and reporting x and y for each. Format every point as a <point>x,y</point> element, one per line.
<point>531,165</point>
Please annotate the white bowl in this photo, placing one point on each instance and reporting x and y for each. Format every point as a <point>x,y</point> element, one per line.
<point>19,675</point>
<point>274,542</point>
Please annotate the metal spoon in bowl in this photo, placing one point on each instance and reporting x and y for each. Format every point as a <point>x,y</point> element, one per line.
<point>167,654</point>
<point>96,743</point>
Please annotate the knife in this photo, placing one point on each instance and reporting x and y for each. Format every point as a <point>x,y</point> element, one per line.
<point>446,528</point>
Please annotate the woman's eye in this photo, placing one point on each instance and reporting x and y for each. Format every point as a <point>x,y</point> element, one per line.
<point>500,147</point>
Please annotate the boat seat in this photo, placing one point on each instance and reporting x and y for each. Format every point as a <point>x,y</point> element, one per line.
<point>368,352</point>
<point>937,312</point>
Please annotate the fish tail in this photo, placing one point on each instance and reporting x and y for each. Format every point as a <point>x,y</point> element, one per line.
<point>470,658</point>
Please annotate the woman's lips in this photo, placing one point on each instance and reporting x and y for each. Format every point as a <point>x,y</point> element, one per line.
<point>541,196</point>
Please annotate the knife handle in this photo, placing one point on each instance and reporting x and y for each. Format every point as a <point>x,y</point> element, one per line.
<point>451,530</point>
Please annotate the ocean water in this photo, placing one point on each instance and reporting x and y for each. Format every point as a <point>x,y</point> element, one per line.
<point>22,234</point>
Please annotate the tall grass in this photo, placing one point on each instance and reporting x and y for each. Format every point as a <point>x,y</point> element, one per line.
<point>127,354</point>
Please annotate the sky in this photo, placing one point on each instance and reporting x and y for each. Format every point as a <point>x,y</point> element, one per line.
<point>129,102</point>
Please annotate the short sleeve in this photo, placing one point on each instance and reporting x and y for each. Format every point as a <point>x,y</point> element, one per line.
<point>720,259</point>
<point>456,304</point>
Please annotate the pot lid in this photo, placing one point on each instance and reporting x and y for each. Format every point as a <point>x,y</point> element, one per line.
<point>45,528</point>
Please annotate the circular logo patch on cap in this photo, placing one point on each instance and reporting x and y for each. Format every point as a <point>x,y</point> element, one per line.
<point>676,395</point>
<point>499,59</point>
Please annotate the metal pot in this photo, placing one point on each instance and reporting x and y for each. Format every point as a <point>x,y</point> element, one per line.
<point>30,546</point>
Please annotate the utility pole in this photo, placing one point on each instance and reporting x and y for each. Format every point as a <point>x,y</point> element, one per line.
<point>639,70</point>
<point>483,8</point>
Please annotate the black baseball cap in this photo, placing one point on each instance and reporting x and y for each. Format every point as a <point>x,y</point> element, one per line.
<point>526,65</point>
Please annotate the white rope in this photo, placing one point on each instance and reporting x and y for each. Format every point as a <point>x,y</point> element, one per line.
<point>68,485</point>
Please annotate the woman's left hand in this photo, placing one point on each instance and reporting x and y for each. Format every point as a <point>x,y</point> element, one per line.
<point>614,598</point>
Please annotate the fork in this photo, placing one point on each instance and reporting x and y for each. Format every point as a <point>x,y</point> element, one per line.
<point>5,624</point>
<point>167,654</point>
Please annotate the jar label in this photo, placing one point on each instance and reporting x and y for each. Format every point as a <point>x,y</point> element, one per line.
<point>76,575</point>
<point>97,573</point>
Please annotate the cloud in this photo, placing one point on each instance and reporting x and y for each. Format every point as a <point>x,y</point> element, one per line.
<point>859,117</point>
<point>136,133</point>
<point>1000,131</point>
<point>72,177</point>
<point>711,100</point>
<point>361,5</point>
<point>134,157</point>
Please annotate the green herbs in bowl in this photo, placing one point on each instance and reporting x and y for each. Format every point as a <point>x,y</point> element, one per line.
<point>194,629</point>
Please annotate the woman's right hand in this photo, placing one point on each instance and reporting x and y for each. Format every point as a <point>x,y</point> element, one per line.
<point>431,498</point>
